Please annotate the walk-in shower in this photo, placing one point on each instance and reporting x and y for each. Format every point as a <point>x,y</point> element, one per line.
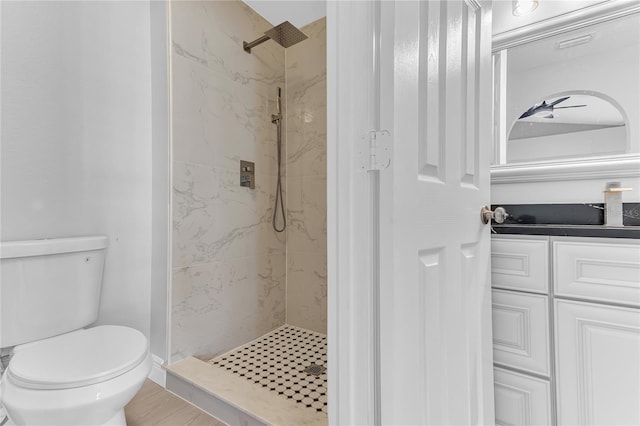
<point>249,302</point>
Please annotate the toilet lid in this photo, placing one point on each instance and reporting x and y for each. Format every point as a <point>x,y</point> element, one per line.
<point>79,358</point>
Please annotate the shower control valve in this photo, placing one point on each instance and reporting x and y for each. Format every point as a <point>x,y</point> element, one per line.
<point>247,174</point>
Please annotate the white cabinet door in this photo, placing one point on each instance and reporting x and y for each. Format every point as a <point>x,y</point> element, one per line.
<point>600,269</point>
<point>521,331</point>
<point>520,264</point>
<point>521,400</point>
<point>598,364</point>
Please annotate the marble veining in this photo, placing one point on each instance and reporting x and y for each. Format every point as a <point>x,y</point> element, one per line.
<point>222,123</point>
<point>234,299</point>
<point>567,214</point>
<point>216,219</point>
<point>307,180</point>
<point>307,290</point>
<point>234,278</point>
<point>228,265</point>
<point>307,214</point>
<point>182,52</point>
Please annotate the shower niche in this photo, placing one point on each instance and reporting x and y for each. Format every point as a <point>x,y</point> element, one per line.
<point>248,267</point>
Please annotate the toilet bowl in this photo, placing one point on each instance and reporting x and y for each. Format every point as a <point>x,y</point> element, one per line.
<point>84,377</point>
<point>60,372</point>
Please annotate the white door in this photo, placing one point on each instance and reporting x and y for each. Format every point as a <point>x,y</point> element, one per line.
<point>435,299</point>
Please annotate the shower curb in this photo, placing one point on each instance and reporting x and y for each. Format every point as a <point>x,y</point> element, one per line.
<point>210,403</point>
<point>234,400</point>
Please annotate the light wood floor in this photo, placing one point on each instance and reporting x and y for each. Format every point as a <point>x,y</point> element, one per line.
<point>155,406</point>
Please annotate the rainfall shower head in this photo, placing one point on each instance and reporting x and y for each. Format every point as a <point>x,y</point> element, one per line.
<point>284,34</point>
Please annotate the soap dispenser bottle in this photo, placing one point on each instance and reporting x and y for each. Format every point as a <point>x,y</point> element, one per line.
<point>613,204</point>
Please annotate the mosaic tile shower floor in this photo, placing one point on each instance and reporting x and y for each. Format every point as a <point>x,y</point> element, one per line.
<point>290,361</point>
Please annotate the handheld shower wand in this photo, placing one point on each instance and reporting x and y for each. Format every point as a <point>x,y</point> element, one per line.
<point>277,120</point>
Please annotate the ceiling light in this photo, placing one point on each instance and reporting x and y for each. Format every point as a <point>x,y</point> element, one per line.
<point>522,7</point>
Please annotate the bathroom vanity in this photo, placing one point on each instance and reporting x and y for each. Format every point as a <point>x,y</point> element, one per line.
<point>565,288</point>
<point>566,326</point>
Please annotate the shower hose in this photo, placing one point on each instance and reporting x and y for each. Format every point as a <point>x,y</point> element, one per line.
<point>279,201</point>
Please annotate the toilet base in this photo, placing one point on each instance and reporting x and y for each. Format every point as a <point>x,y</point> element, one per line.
<point>83,406</point>
<point>117,420</point>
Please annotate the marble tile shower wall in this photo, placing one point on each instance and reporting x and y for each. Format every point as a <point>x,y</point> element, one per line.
<point>307,180</point>
<point>229,266</point>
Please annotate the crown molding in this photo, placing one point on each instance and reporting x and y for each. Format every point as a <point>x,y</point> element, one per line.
<point>615,166</point>
<point>566,22</point>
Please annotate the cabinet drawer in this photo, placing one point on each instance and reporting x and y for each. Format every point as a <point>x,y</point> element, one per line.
<point>520,264</point>
<point>597,368</point>
<point>600,269</point>
<point>521,399</point>
<point>521,331</point>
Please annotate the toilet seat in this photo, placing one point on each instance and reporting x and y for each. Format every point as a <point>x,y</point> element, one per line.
<point>76,359</point>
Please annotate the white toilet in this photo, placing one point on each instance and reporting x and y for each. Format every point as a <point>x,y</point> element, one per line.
<point>61,373</point>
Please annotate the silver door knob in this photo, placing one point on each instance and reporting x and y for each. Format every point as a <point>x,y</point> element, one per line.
<point>499,215</point>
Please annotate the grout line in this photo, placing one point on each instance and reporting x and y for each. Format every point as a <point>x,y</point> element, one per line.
<point>278,362</point>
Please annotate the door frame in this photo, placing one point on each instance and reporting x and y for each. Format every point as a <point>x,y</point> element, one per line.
<point>354,109</point>
<point>352,106</point>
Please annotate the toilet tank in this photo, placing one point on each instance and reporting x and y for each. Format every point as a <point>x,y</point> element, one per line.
<point>49,287</point>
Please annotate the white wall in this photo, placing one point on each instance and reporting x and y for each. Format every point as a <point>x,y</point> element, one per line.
<point>76,137</point>
<point>159,326</point>
<point>587,143</point>
<point>298,12</point>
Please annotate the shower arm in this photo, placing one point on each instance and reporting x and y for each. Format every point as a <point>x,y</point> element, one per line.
<point>248,46</point>
<point>284,34</point>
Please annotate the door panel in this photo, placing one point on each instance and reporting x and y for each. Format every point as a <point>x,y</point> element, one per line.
<point>431,95</point>
<point>436,350</point>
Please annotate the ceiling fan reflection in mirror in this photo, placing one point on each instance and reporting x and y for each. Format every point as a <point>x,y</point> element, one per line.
<point>567,113</point>
<point>545,110</point>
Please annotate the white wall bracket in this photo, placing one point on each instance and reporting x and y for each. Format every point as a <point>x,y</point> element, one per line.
<point>375,152</point>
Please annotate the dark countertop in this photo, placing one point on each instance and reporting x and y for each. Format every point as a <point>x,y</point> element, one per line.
<point>566,214</point>
<point>570,230</point>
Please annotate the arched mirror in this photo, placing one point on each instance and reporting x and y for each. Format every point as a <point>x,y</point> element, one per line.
<point>568,125</point>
